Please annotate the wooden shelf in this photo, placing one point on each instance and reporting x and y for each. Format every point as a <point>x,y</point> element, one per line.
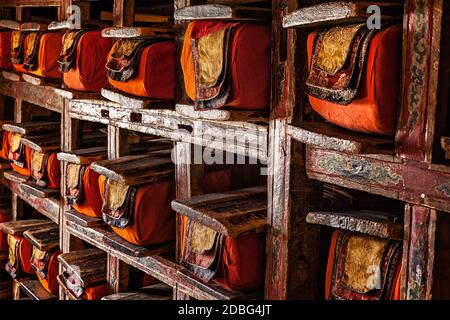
<point>160,267</point>
<point>222,12</point>
<point>136,32</point>
<point>154,292</point>
<point>10,24</point>
<point>83,156</point>
<point>228,213</point>
<point>132,102</point>
<point>44,239</point>
<point>221,114</point>
<point>378,224</point>
<point>32,128</point>
<point>392,177</point>
<point>30,3</point>
<point>83,220</point>
<point>326,136</point>
<point>35,290</point>
<point>340,12</point>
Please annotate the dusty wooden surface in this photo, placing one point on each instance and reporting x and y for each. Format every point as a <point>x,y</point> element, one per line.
<point>221,11</point>
<point>35,290</point>
<point>44,239</point>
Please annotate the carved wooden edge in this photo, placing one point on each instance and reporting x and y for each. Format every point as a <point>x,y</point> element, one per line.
<point>34,80</point>
<point>360,222</point>
<point>33,26</point>
<point>325,136</point>
<point>83,156</point>
<point>221,11</point>
<point>35,127</point>
<point>82,220</point>
<point>132,102</point>
<point>44,239</point>
<point>152,169</point>
<point>339,12</point>
<point>229,223</point>
<point>34,289</point>
<point>17,228</point>
<point>36,143</point>
<point>62,283</point>
<point>10,24</point>
<point>73,94</point>
<point>15,177</point>
<point>221,115</point>
<point>58,25</point>
<point>115,241</point>
<point>135,32</point>
<point>12,76</point>
<point>37,191</point>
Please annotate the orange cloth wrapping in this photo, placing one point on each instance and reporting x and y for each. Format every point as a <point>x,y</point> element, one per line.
<point>91,199</point>
<point>373,110</point>
<point>89,71</point>
<point>26,169</point>
<point>49,47</point>
<point>17,47</point>
<point>48,279</point>
<point>5,137</point>
<point>5,50</point>
<point>155,74</point>
<point>152,220</point>
<point>335,274</point>
<point>20,251</point>
<point>94,292</point>
<point>50,173</point>
<point>248,67</point>
<point>4,216</point>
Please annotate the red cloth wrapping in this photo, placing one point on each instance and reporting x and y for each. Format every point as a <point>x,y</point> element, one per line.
<point>92,202</point>
<point>155,76</point>
<point>89,71</point>
<point>25,251</point>
<point>49,49</point>
<point>5,137</point>
<point>374,108</point>
<point>95,292</point>
<point>5,50</point>
<point>26,170</point>
<point>50,283</point>
<point>249,65</point>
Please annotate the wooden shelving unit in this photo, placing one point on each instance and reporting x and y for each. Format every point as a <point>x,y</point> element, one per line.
<point>303,153</point>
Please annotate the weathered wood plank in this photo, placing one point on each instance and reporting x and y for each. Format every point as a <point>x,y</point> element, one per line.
<point>134,32</point>
<point>83,220</point>
<point>378,224</point>
<point>34,289</point>
<point>10,24</point>
<point>132,102</point>
<point>221,11</point>
<point>43,143</point>
<point>12,76</point>
<point>83,156</point>
<point>44,239</point>
<point>73,94</point>
<point>6,290</point>
<point>30,128</point>
<point>15,177</point>
<point>37,191</point>
<point>445,144</point>
<point>17,228</point>
<point>139,17</point>
<point>221,115</point>
<point>339,12</point>
<point>229,213</point>
<point>327,136</point>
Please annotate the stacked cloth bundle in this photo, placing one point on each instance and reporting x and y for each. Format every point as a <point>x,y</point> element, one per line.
<point>20,155</point>
<point>45,264</point>
<point>45,169</point>
<point>5,140</point>
<point>237,263</point>
<point>19,256</point>
<point>83,58</point>
<point>143,67</point>
<point>5,50</point>
<point>36,52</point>
<point>362,267</point>
<point>83,191</point>
<point>227,64</point>
<point>353,79</point>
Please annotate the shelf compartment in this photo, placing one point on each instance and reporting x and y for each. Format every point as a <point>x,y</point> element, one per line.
<point>154,292</point>
<point>38,191</point>
<point>44,239</point>
<point>135,170</point>
<point>33,26</point>
<point>373,223</point>
<point>228,213</point>
<point>340,12</point>
<point>33,127</point>
<point>38,81</point>
<point>17,228</point>
<point>392,177</point>
<point>223,12</point>
<point>84,156</point>
<point>74,94</point>
<point>326,136</point>
<point>135,32</point>
<point>83,220</point>
<point>221,114</point>
<point>34,289</point>
<point>43,143</point>
<point>132,102</point>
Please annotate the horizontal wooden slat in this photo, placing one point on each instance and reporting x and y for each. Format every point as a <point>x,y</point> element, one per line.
<point>35,127</point>
<point>15,176</point>
<point>132,102</point>
<point>10,24</point>
<point>229,213</point>
<point>37,191</point>
<point>327,136</point>
<point>139,17</point>
<point>133,170</point>
<point>30,3</point>
<point>73,94</point>
<point>134,32</point>
<point>220,11</point>
<point>154,292</point>
<point>62,283</point>
<point>43,143</point>
<point>340,12</point>
<point>378,224</point>
<point>44,239</point>
<point>11,76</point>
<point>17,228</point>
<point>35,290</point>
<point>33,26</point>
<point>222,115</point>
<point>83,220</point>
<point>84,156</point>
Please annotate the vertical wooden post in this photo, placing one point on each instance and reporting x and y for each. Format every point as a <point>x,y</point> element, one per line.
<point>117,275</point>
<point>16,207</point>
<point>123,13</point>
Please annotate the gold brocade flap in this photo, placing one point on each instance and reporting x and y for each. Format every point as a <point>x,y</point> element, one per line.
<point>73,175</point>
<point>116,195</point>
<point>210,55</point>
<point>13,242</point>
<point>125,48</point>
<point>364,256</point>
<point>39,261</point>
<point>335,48</point>
<point>16,40</point>
<point>36,161</point>
<point>16,140</point>
<point>17,46</point>
<point>202,238</point>
<point>31,39</point>
<point>68,39</point>
<point>67,55</point>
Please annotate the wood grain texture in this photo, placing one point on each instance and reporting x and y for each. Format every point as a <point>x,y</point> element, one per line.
<point>228,213</point>
<point>10,24</point>
<point>378,224</point>
<point>17,228</point>
<point>35,127</point>
<point>44,239</point>
<point>132,102</point>
<point>136,32</point>
<point>82,220</point>
<point>83,156</point>
<point>34,289</point>
<point>221,115</point>
<point>221,11</point>
<point>38,191</point>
